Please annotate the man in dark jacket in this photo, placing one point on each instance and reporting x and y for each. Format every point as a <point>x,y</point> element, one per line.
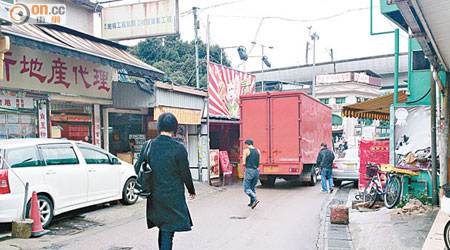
<point>325,163</point>
<point>166,206</point>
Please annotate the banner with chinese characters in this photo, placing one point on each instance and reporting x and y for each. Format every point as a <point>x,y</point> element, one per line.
<point>227,168</point>
<point>97,126</point>
<point>140,20</point>
<point>33,69</point>
<point>11,102</point>
<point>374,152</point>
<point>225,87</point>
<point>214,165</point>
<point>43,120</point>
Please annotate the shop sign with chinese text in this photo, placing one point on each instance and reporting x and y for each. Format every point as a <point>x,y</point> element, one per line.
<point>11,102</point>
<point>97,126</point>
<point>30,69</point>
<point>43,121</point>
<point>140,20</point>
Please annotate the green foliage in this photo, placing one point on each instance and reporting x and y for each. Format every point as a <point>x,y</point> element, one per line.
<point>177,58</point>
<point>422,197</point>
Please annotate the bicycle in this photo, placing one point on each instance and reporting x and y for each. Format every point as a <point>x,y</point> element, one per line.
<point>391,190</point>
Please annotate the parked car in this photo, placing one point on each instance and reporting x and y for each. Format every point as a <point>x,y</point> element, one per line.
<point>66,175</point>
<point>346,167</point>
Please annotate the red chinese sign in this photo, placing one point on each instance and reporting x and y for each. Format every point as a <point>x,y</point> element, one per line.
<point>227,169</point>
<point>32,69</point>
<point>374,152</point>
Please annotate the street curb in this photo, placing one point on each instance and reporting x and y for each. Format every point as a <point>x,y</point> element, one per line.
<point>338,235</point>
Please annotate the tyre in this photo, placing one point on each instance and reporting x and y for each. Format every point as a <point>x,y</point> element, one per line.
<point>393,191</point>
<point>356,184</point>
<point>269,182</point>
<point>313,180</point>
<point>370,193</point>
<point>128,195</point>
<point>337,183</point>
<point>447,234</point>
<point>45,209</point>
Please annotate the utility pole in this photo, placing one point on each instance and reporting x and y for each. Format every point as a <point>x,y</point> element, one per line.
<point>307,45</point>
<point>435,195</point>
<point>307,50</point>
<point>262,70</point>
<point>196,27</point>
<point>314,37</point>
<point>332,59</point>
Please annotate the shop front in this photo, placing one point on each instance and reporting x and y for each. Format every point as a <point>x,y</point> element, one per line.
<point>63,82</point>
<point>18,115</point>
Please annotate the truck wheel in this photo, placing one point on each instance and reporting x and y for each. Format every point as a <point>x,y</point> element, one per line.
<point>313,178</point>
<point>269,182</point>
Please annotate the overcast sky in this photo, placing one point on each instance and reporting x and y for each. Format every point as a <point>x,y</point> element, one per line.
<point>343,25</point>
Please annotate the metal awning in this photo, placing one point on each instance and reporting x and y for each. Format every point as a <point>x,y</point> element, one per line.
<point>428,21</point>
<point>71,43</point>
<point>375,109</point>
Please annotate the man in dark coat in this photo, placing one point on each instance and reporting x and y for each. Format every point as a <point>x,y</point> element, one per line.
<point>325,163</point>
<point>166,207</point>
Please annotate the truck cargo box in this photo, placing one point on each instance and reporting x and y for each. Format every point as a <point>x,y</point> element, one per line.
<point>288,128</point>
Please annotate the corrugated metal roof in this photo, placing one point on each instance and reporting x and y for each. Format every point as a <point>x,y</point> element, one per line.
<point>75,44</point>
<point>437,17</point>
<point>376,109</point>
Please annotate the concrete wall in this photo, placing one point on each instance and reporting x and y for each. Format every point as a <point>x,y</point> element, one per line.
<point>77,17</point>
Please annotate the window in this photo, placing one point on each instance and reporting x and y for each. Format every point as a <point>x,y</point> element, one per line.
<point>325,100</point>
<point>23,157</point>
<point>336,120</point>
<point>340,100</point>
<point>92,156</point>
<point>59,154</point>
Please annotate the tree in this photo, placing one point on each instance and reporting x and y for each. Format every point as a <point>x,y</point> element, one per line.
<point>177,58</point>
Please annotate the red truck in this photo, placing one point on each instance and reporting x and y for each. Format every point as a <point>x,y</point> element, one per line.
<point>288,128</point>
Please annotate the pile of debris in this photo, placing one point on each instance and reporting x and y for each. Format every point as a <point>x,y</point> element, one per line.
<point>414,206</point>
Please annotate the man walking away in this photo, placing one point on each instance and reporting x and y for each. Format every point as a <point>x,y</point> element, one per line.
<point>325,163</point>
<point>251,159</point>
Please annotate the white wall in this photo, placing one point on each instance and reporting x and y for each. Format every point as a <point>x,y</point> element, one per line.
<point>77,18</point>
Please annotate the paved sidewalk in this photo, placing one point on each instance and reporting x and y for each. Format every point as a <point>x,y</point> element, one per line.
<point>435,239</point>
<point>383,228</point>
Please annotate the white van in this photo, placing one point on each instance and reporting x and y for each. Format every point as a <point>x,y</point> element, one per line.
<point>66,175</point>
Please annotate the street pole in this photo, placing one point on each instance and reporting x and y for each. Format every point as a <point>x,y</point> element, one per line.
<point>314,36</point>
<point>433,139</point>
<point>262,70</point>
<point>197,77</point>
<point>397,41</point>
<point>207,84</point>
<point>444,155</point>
<point>307,49</point>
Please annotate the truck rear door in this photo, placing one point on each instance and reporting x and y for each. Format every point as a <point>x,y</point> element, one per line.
<point>255,124</point>
<point>285,127</point>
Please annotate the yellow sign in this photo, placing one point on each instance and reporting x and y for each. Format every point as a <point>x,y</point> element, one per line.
<point>184,116</point>
<point>32,69</point>
<point>140,20</point>
<point>271,169</point>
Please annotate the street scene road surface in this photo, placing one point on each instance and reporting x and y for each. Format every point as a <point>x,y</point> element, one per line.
<point>287,218</point>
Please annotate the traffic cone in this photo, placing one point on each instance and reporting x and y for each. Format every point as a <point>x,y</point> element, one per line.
<point>35,215</point>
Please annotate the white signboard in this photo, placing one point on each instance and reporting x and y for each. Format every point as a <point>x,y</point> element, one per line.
<point>43,121</point>
<point>345,77</point>
<point>11,102</point>
<point>97,126</point>
<point>140,20</point>
<point>31,69</point>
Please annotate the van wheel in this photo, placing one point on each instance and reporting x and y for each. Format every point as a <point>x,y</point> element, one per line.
<point>45,210</point>
<point>313,178</point>
<point>128,195</point>
<point>269,182</point>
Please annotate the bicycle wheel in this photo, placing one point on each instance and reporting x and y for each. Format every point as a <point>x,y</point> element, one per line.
<point>371,192</point>
<point>447,234</point>
<point>393,191</point>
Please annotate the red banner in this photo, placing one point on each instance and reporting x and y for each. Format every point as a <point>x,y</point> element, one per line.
<point>374,152</point>
<point>227,169</point>
<point>225,87</point>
